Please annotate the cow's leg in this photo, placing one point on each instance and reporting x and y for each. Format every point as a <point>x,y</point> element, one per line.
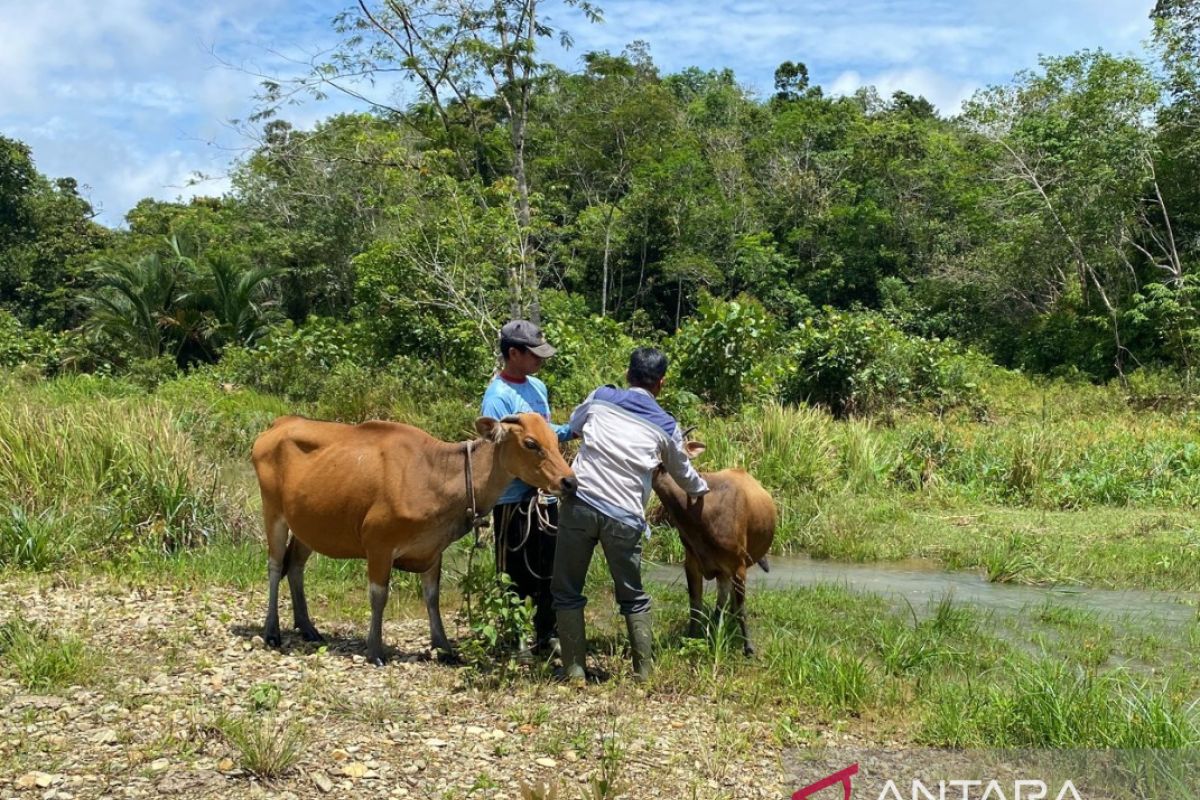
<point>431,589</point>
<point>739,608</point>
<point>379,570</point>
<point>297,556</point>
<point>277,546</point>
<point>695,584</point>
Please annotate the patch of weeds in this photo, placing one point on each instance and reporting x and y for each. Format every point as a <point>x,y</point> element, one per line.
<point>265,697</point>
<point>372,710</point>
<point>712,654</point>
<point>1064,616</point>
<point>1046,703</point>
<point>498,621</point>
<point>483,783</point>
<point>837,681</point>
<point>951,619</point>
<point>523,714</point>
<point>41,660</point>
<point>607,783</point>
<point>904,650</point>
<point>265,746</point>
<point>33,541</point>
<point>553,744</point>
<point>1009,561</point>
<point>719,753</point>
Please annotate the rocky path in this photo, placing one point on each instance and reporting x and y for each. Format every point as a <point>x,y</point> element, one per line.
<point>178,671</point>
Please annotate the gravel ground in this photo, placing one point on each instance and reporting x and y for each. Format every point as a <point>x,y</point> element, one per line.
<point>177,667</point>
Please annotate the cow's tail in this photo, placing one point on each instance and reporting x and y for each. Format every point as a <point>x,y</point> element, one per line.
<point>762,562</point>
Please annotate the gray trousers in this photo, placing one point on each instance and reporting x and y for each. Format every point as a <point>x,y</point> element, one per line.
<point>579,528</point>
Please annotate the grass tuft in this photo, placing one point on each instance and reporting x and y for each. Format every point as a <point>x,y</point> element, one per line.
<point>265,746</point>
<point>43,661</point>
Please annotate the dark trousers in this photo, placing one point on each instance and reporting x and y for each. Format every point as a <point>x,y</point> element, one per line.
<point>582,527</point>
<point>525,544</point>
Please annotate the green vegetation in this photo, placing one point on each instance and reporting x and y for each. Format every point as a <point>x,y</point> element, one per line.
<point>265,746</point>
<point>42,660</point>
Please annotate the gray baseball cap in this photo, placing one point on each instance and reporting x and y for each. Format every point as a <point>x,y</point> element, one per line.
<point>524,333</point>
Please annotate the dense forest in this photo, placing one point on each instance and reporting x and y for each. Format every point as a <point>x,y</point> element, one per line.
<point>854,251</point>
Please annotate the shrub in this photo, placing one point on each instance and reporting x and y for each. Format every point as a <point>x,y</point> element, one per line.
<point>20,346</point>
<point>860,363</point>
<point>727,352</point>
<point>294,362</point>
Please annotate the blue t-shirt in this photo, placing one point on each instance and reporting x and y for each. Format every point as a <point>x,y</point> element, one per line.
<point>505,397</point>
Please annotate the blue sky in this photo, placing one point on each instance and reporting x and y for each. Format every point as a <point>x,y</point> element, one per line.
<point>132,97</point>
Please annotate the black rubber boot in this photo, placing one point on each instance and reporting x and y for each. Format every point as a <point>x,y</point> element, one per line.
<point>641,642</point>
<point>573,640</point>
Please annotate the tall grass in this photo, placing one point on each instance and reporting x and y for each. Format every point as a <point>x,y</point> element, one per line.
<point>102,474</point>
<point>1047,703</point>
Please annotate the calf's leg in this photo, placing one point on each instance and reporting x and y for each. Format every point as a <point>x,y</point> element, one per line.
<point>379,570</point>
<point>695,584</point>
<point>739,608</point>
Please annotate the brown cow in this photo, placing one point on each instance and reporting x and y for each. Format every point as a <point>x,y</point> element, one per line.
<point>391,494</point>
<point>723,533</point>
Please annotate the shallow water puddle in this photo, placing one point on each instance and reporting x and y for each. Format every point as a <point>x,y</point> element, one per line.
<point>922,585</point>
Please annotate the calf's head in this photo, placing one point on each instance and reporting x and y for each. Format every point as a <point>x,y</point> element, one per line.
<point>528,448</point>
<point>693,449</point>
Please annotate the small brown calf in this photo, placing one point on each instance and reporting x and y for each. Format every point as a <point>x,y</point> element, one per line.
<point>724,533</point>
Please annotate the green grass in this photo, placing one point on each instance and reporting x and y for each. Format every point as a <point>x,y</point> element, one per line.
<point>42,660</point>
<point>264,745</point>
<point>1047,703</point>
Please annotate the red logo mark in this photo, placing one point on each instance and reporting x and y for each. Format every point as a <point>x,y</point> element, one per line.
<point>842,776</point>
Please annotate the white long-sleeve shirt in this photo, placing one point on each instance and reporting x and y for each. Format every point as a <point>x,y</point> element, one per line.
<point>626,435</point>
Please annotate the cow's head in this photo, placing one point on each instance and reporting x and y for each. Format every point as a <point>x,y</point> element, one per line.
<point>528,448</point>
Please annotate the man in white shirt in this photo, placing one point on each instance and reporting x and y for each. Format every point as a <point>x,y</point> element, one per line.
<point>626,436</point>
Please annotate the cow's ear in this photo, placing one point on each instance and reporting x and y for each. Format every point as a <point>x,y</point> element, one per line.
<point>694,449</point>
<point>490,428</point>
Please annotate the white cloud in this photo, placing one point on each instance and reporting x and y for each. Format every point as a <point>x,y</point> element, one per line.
<point>946,93</point>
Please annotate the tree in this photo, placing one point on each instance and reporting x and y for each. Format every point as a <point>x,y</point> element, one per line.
<point>1072,155</point>
<point>46,231</point>
<point>791,79</point>
<point>238,299</point>
<point>593,130</point>
<point>134,306</point>
<point>451,49</point>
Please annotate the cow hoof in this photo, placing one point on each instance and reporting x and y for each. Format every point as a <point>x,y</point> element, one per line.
<point>273,640</point>
<point>447,656</point>
<point>377,661</point>
<point>312,635</point>
<point>748,651</point>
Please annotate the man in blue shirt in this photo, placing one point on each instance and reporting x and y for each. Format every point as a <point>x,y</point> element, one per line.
<point>525,525</point>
